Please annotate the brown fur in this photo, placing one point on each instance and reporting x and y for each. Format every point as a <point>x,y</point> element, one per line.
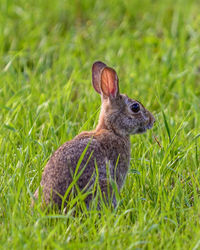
<point>108,144</point>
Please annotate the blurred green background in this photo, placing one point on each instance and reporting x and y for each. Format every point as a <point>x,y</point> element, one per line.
<point>47,49</point>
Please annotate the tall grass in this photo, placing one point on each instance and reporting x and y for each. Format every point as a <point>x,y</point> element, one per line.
<point>46,98</point>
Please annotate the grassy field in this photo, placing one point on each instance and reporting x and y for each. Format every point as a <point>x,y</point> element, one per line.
<point>46,52</point>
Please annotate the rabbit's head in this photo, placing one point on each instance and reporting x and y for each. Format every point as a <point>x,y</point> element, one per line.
<point>119,113</point>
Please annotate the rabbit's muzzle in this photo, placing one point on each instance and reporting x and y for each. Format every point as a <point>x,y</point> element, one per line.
<point>151,122</point>
<point>148,125</point>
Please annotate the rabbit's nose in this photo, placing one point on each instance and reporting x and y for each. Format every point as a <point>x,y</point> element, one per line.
<point>151,121</point>
<point>151,118</point>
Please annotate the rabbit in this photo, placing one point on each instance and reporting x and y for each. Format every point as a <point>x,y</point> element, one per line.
<point>108,146</point>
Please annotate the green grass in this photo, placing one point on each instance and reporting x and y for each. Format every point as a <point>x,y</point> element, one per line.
<point>46,52</point>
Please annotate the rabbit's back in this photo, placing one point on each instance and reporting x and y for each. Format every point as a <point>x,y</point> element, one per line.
<point>59,171</point>
<point>85,152</point>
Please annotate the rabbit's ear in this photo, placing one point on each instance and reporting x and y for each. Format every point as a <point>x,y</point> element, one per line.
<point>96,74</point>
<point>109,82</point>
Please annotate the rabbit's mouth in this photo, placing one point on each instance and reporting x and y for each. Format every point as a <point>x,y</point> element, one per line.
<point>149,126</point>
<point>143,129</point>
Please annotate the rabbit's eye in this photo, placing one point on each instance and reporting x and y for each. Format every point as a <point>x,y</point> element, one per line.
<point>135,107</point>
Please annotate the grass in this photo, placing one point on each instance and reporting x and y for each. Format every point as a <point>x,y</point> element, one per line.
<point>46,98</point>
